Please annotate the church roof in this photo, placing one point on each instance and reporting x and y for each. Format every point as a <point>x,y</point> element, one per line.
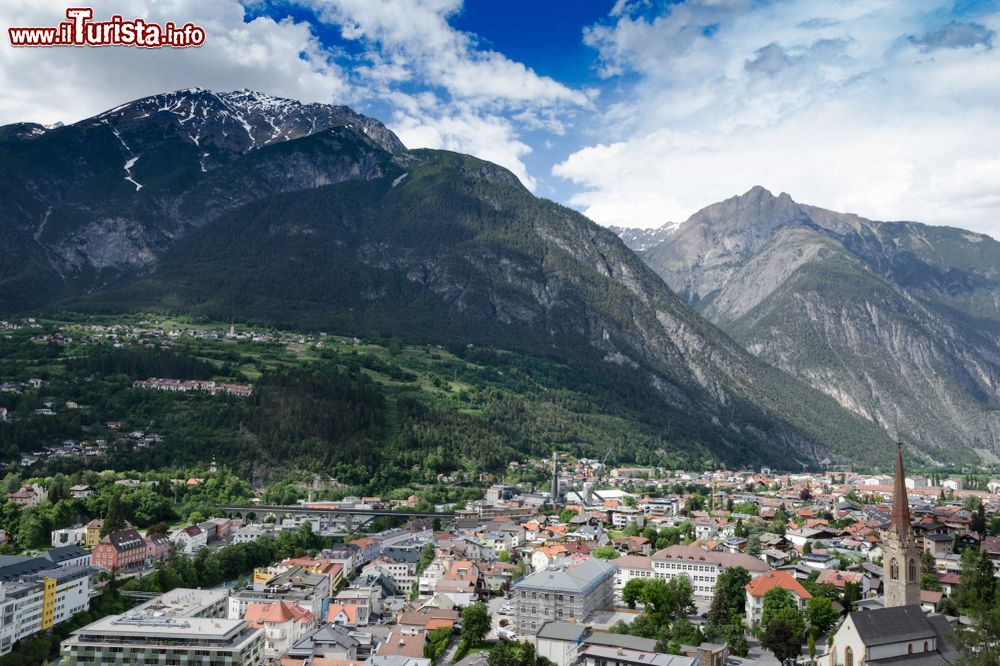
<point>883,626</point>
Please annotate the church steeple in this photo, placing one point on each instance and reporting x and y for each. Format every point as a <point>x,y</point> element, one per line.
<point>900,502</point>
<point>901,575</point>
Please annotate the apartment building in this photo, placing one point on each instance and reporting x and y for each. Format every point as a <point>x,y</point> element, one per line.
<point>39,601</point>
<point>123,549</point>
<point>295,586</point>
<point>567,591</point>
<point>143,637</point>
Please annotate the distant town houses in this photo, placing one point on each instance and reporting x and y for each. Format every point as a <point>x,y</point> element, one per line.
<point>187,385</point>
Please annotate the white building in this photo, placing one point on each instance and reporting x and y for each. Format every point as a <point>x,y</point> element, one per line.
<point>40,601</point>
<point>69,536</point>
<point>702,566</point>
<point>631,567</point>
<point>190,539</point>
<point>891,635</point>
<point>252,532</point>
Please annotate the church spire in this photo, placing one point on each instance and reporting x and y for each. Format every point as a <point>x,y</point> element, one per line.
<point>900,502</point>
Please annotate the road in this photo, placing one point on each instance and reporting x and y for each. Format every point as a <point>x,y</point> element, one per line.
<point>449,652</point>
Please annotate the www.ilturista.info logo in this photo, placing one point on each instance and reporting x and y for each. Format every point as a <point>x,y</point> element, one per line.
<point>79,30</point>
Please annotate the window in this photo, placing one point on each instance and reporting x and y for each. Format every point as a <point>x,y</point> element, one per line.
<point>925,646</point>
<point>893,569</point>
<point>848,657</point>
<point>913,570</point>
<point>909,648</point>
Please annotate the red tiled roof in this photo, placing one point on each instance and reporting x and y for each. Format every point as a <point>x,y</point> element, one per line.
<point>760,585</point>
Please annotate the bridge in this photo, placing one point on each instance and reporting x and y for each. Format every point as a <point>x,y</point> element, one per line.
<point>302,510</point>
<point>347,519</point>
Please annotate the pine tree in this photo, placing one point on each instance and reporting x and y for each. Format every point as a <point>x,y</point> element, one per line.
<point>114,517</point>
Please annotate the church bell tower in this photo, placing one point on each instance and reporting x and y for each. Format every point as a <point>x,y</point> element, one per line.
<point>900,561</point>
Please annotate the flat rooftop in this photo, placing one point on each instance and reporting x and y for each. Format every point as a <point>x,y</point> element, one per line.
<point>184,601</point>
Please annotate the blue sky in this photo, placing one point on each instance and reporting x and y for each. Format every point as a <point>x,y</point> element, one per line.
<point>635,112</point>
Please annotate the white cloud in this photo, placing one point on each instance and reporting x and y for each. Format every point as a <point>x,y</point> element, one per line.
<point>890,110</point>
<point>68,84</point>
<point>446,91</point>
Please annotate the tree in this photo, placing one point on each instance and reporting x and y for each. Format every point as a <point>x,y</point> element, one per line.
<point>754,547</point>
<point>978,522</point>
<point>633,591</point>
<point>33,529</point>
<point>114,515</point>
<point>811,645</point>
<point>475,624</point>
<point>567,514</point>
<point>978,585</point>
<point>927,564</point>
<point>979,643</point>
<point>779,524</point>
<point>605,553</point>
<point>776,599</point>
<point>852,593</point>
<point>729,601</point>
<point>506,653</point>
<point>782,640</point>
<point>820,615</point>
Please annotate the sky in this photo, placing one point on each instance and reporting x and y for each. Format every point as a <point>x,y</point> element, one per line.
<point>635,112</point>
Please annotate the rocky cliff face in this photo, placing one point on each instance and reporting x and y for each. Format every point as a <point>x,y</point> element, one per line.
<point>896,321</point>
<point>226,214</point>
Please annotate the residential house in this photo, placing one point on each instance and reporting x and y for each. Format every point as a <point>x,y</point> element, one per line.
<point>348,615</point>
<point>93,535</point>
<point>761,585</point>
<point>331,643</point>
<point>190,539</point>
<point>28,496</point>
<point>81,491</point>
<point>283,624</point>
<point>157,546</point>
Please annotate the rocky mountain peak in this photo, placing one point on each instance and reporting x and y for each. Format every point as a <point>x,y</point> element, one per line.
<point>757,208</point>
<point>227,124</point>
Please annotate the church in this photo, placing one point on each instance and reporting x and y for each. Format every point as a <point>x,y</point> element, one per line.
<point>899,632</point>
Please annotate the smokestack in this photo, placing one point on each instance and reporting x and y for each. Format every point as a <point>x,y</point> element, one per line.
<point>555,478</point>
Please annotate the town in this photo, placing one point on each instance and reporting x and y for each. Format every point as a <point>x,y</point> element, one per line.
<point>620,566</point>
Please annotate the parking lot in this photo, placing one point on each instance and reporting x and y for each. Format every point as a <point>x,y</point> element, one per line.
<point>495,604</point>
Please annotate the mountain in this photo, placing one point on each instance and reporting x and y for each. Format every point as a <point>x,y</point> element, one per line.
<point>639,240</point>
<point>240,206</point>
<point>897,321</point>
